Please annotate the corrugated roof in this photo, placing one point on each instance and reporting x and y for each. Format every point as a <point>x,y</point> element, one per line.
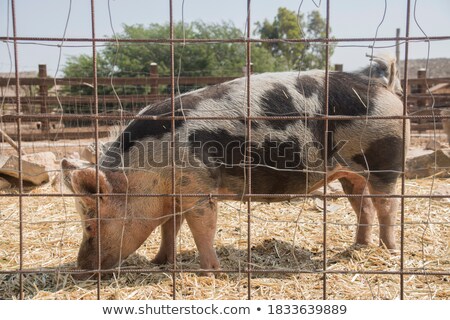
<point>437,67</point>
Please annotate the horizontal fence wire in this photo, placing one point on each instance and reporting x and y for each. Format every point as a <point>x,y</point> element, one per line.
<point>243,270</point>
<point>239,40</point>
<point>227,195</point>
<point>251,118</point>
<point>248,268</point>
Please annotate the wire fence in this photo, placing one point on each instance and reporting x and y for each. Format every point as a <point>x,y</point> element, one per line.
<point>312,245</point>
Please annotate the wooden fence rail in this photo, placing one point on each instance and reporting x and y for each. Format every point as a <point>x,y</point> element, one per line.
<point>39,94</point>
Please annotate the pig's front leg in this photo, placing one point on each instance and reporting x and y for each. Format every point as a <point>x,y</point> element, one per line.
<point>169,233</point>
<point>387,214</point>
<point>202,222</point>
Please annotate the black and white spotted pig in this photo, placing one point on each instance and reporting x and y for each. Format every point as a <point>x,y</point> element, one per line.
<point>287,157</point>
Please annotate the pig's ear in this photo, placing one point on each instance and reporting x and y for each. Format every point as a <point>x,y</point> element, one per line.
<point>84,181</point>
<point>67,169</point>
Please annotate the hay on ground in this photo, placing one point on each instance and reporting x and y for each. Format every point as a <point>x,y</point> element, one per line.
<point>284,236</point>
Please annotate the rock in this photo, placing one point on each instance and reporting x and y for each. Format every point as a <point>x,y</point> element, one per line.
<point>416,152</point>
<point>436,163</point>
<point>433,145</point>
<point>88,153</point>
<point>74,156</point>
<point>46,159</point>
<point>331,207</point>
<point>4,184</point>
<point>335,187</point>
<point>32,172</point>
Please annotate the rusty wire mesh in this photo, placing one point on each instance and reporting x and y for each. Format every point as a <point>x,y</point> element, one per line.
<point>324,275</point>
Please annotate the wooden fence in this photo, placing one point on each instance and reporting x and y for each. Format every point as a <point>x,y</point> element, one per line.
<point>45,95</point>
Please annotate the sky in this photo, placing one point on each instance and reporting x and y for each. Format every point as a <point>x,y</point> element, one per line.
<point>348,19</point>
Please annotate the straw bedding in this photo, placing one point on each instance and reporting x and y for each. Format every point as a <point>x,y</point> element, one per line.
<point>284,236</point>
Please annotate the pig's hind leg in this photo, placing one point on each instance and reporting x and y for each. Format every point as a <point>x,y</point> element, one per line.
<point>363,206</point>
<point>387,213</point>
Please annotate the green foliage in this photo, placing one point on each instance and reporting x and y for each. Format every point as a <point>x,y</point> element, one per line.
<point>121,59</point>
<point>288,25</point>
<point>81,67</point>
<point>199,59</point>
<point>207,59</point>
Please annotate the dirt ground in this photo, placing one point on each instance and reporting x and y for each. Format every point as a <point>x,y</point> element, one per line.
<point>286,236</point>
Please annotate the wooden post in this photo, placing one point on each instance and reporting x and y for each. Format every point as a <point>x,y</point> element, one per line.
<point>421,89</point>
<point>154,79</point>
<point>11,142</point>
<point>338,67</point>
<point>43,93</point>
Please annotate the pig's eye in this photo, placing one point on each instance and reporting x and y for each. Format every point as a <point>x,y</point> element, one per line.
<point>90,213</point>
<point>88,228</point>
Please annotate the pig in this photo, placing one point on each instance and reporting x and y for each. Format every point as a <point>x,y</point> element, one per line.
<point>286,156</point>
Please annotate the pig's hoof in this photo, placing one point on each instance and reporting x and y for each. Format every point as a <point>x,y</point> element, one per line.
<point>162,260</point>
<point>158,261</point>
<point>358,245</point>
<point>83,276</point>
<point>208,274</point>
<point>389,246</point>
<point>209,266</point>
<point>394,252</point>
<point>91,276</point>
<point>363,242</point>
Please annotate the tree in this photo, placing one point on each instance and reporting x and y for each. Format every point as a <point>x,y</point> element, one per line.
<point>289,25</point>
<point>316,28</point>
<point>134,60</point>
<point>81,67</point>
<point>206,59</point>
<point>123,59</point>
<point>199,59</point>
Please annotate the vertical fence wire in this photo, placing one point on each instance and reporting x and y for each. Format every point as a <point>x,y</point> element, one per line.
<point>325,147</point>
<point>404,134</point>
<point>97,147</point>
<point>248,192</point>
<point>248,151</point>
<point>19,145</point>
<point>172,143</point>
